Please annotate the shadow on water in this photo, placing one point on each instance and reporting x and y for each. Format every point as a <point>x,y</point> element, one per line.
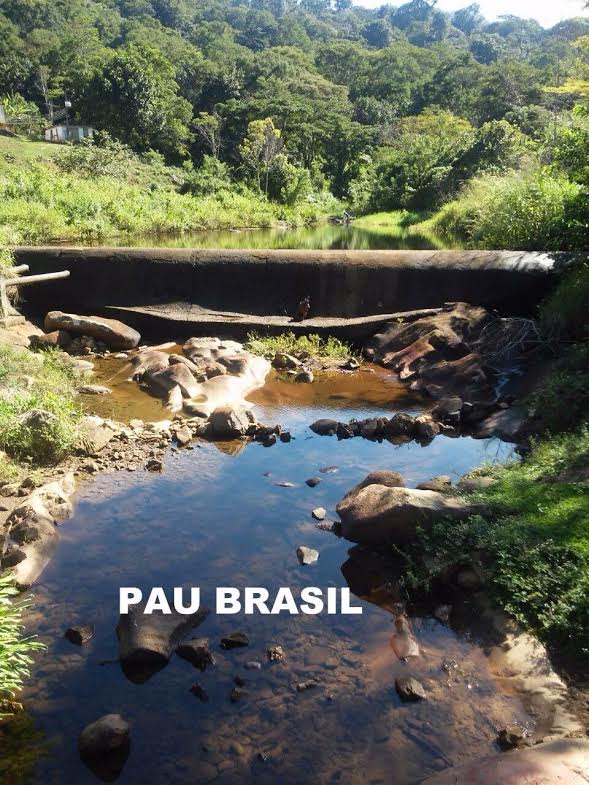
<point>215,519</point>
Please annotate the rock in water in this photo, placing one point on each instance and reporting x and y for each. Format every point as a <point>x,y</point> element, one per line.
<point>319,513</point>
<point>307,555</point>
<point>275,653</point>
<point>229,423</point>
<point>114,334</point>
<point>104,746</point>
<point>146,641</point>
<point>380,515</point>
<point>196,652</point>
<point>80,635</point>
<point>93,389</point>
<point>409,689</point>
<point>235,640</point>
<point>403,640</point>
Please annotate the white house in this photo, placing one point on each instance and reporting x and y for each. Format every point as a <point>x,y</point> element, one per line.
<point>74,133</point>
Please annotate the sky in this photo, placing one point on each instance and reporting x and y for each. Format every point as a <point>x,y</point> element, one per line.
<point>547,12</point>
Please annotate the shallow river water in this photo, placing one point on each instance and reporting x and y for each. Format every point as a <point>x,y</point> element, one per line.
<point>216,517</point>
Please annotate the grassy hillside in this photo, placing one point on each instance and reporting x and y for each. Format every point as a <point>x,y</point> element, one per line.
<point>52,193</point>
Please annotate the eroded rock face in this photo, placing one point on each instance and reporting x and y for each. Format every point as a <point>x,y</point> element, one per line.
<point>438,355</point>
<point>555,763</point>
<point>30,532</point>
<point>114,334</point>
<point>379,515</point>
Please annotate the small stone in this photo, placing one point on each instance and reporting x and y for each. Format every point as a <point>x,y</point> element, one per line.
<point>312,482</point>
<point>237,694</point>
<point>154,465</point>
<point>305,377</point>
<point>409,689</point>
<point>285,437</point>
<point>253,665</point>
<point>329,470</point>
<point>183,436</point>
<point>275,653</point>
<point>90,466</point>
<point>199,691</point>
<point>284,484</point>
<point>93,389</point>
<point>235,640</point>
<point>310,684</point>
<point>440,484</point>
<point>196,651</point>
<point>319,513</point>
<point>120,356</point>
<point>80,635</point>
<point>510,737</point>
<point>307,555</point>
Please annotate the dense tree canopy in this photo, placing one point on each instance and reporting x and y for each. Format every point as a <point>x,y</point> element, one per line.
<point>338,82</point>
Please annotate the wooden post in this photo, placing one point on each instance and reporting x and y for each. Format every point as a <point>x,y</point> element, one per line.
<point>8,315</point>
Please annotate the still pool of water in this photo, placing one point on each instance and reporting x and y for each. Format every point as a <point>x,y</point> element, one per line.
<point>219,519</point>
<point>325,237</point>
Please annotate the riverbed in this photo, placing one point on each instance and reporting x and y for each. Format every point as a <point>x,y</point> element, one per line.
<point>219,515</point>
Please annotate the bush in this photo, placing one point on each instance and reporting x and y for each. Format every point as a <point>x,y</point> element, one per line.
<point>38,416</point>
<point>533,541</point>
<point>564,314</point>
<point>314,345</point>
<point>15,650</point>
<point>518,211</point>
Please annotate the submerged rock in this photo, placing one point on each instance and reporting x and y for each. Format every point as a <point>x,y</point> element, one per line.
<point>561,762</point>
<point>80,635</point>
<point>312,482</point>
<point>114,334</point>
<point>104,746</point>
<point>275,653</point>
<point>409,689</point>
<point>235,640</point>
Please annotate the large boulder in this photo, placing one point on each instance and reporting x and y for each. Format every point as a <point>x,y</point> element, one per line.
<point>511,425</point>
<point>161,382</point>
<point>114,334</point>
<point>377,514</point>
<point>30,532</point>
<point>229,423</point>
<point>384,477</point>
<point>146,641</point>
<point>560,762</point>
<point>464,377</point>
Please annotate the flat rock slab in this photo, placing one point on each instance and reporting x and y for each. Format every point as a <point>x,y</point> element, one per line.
<point>562,762</point>
<point>112,332</point>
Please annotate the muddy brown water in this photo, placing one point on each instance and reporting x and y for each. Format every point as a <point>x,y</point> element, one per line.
<point>218,519</point>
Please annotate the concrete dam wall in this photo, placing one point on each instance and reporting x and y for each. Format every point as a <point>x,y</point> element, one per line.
<point>184,291</point>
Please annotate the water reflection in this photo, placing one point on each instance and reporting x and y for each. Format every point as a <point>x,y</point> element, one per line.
<point>214,519</point>
<point>325,237</point>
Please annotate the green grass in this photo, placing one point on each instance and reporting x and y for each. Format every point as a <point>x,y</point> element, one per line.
<point>43,198</point>
<point>517,211</point>
<point>41,382</point>
<point>311,345</point>
<point>397,219</point>
<point>533,541</point>
<point>15,649</point>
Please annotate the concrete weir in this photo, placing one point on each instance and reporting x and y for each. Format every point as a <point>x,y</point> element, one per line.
<point>186,292</point>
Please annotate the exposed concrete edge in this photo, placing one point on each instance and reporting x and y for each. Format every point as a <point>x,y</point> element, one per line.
<point>180,323</point>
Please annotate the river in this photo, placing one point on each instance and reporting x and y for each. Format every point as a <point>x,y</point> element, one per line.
<point>217,516</point>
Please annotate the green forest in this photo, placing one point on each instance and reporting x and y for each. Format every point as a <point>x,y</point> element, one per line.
<point>218,114</point>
